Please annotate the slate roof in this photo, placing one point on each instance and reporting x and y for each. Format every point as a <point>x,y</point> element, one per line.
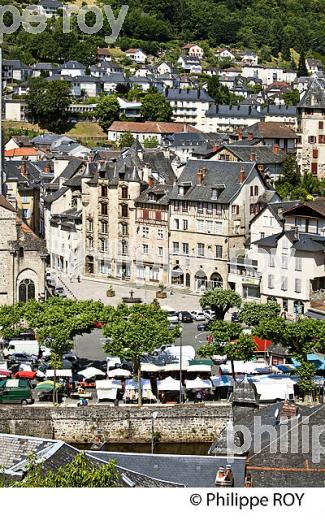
<point>264,154</point>
<point>302,242</point>
<point>160,192</point>
<point>188,470</point>
<point>218,174</point>
<point>317,206</point>
<point>13,170</point>
<point>186,139</point>
<point>114,77</point>
<point>314,97</point>
<point>14,449</point>
<point>242,111</point>
<point>178,94</point>
<point>72,64</point>
<point>270,130</point>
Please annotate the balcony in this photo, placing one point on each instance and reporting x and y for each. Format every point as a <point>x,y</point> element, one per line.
<point>244,276</point>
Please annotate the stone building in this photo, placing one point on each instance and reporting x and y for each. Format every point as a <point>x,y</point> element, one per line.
<point>22,258</point>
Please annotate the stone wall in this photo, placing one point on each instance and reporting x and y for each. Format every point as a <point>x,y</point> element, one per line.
<point>189,423</point>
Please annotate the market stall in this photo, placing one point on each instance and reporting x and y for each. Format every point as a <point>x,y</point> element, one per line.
<point>168,390</point>
<point>118,373</point>
<point>131,390</point>
<point>107,389</point>
<point>198,389</point>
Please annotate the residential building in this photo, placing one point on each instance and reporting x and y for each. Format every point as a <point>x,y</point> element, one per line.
<point>291,260</point>
<point>269,74</point>
<point>15,70</point>
<point>272,134</point>
<point>49,7</point>
<point>225,54</point>
<point>22,258</point>
<point>16,110</point>
<point>249,58</point>
<point>193,50</point>
<point>43,69</point>
<point>73,68</point>
<point>314,65</point>
<point>190,65</point>
<point>165,68</point>
<point>137,55</point>
<point>189,106</point>
<point>146,130</point>
<point>311,129</point>
<point>104,54</point>
<point>210,209</point>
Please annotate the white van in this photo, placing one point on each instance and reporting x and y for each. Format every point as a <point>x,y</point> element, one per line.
<point>172,315</point>
<point>29,347</point>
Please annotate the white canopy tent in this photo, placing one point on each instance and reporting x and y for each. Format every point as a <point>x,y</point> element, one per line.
<point>188,352</point>
<point>175,367</point>
<point>112,361</point>
<point>132,388</point>
<point>168,384</point>
<point>151,367</point>
<point>198,384</point>
<point>90,372</point>
<point>107,389</point>
<point>60,372</point>
<point>246,367</point>
<point>199,368</point>
<point>119,372</point>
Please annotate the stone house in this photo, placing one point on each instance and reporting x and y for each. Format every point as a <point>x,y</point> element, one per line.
<point>22,258</point>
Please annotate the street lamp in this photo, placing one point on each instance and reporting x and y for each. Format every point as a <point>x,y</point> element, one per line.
<point>180,360</point>
<point>153,417</point>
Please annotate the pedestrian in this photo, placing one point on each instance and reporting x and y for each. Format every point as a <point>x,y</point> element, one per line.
<point>78,278</point>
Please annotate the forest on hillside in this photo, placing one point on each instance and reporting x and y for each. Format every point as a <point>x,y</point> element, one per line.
<point>270,26</point>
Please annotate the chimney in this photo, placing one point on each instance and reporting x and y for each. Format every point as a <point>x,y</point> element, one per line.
<point>250,136</point>
<point>253,156</point>
<point>200,174</point>
<point>242,175</point>
<point>23,168</point>
<point>276,149</point>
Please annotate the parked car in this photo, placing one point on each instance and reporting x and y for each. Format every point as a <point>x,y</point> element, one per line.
<point>198,316</point>
<point>50,280</point>
<point>19,357</point>
<point>172,315</point>
<point>185,317</point>
<point>202,327</point>
<point>209,314</point>
<point>15,391</point>
<point>59,291</point>
<point>72,358</point>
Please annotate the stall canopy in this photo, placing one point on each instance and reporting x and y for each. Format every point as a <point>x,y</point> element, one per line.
<point>208,362</point>
<point>60,372</point>
<point>132,384</point>
<point>107,388</point>
<point>112,361</point>
<point>188,352</point>
<point>172,367</point>
<point>199,368</point>
<point>119,372</point>
<point>246,367</point>
<point>198,384</point>
<point>219,381</point>
<point>90,372</point>
<point>168,384</point>
<point>150,367</point>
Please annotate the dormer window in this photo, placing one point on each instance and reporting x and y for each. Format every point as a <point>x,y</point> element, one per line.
<point>214,193</point>
<point>180,190</point>
<point>152,197</point>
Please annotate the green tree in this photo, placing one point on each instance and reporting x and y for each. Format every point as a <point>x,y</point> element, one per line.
<point>79,473</point>
<point>220,301</point>
<point>302,69</point>
<point>107,111</point>
<point>292,97</point>
<point>48,102</point>
<point>301,338</point>
<point>156,108</point>
<point>228,340</point>
<point>126,140</point>
<point>253,313</point>
<point>135,331</point>
<point>220,93</point>
<point>151,142</point>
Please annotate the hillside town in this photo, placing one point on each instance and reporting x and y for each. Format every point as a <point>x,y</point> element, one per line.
<point>162,255</point>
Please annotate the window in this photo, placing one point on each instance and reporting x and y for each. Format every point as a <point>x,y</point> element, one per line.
<point>315,153</point>
<point>320,125</point>
<point>176,205</point>
<point>251,191</point>
<point>103,191</point>
<point>262,234</point>
<point>185,225</point>
<point>218,251</point>
<point>218,227</point>
<point>90,226</point>
<point>145,249</point>
<point>25,213</point>
<point>160,251</point>
<point>103,227</point>
<point>311,139</point>
<point>200,225</point>
<point>124,210</point>
<point>124,229</point>
<point>158,215</point>
<point>184,206</point>
<point>297,285</point>
<point>124,192</point>
<point>298,263</point>
<point>266,220</point>
<point>199,207</point>
<point>176,223</point>
<point>200,249</point>
<point>271,260</point>
<point>321,139</point>
<point>253,209</point>
<point>270,281</point>
<point>186,248</point>
<point>124,248</point>
<point>209,226</point>
<point>104,208</point>
<point>256,191</point>
<point>209,208</point>
<point>235,210</point>
<point>90,243</point>
<point>175,248</point>
<point>284,262</point>
<point>145,232</point>
<point>104,267</point>
<point>160,233</point>
<point>103,245</point>
<point>284,283</point>
<point>314,168</point>
<point>24,198</point>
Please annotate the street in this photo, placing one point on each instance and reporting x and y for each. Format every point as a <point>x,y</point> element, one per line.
<point>90,346</point>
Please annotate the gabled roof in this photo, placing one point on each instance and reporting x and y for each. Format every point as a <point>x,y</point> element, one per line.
<point>314,97</point>
<point>22,152</point>
<point>306,242</point>
<point>72,64</point>
<point>270,130</point>
<point>188,95</point>
<point>150,127</point>
<point>312,207</point>
<point>263,154</point>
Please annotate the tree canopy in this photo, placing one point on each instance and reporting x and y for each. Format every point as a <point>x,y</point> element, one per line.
<point>253,313</point>
<point>220,301</point>
<point>107,111</point>
<point>156,108</point>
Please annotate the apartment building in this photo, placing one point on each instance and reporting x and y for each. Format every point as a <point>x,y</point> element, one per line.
<point>189,105</point>
<point>311,129</point>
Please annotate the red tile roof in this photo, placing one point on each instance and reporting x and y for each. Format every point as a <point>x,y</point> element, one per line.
<point>151,127</point>
<point>21,152</point>
<point>4,203</point>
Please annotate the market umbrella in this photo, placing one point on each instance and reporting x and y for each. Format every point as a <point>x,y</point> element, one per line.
<point>5,373</point>
<point>119,372</point>
<point>46,386</point>
<point>25,374</point>
<point>90,372</point>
